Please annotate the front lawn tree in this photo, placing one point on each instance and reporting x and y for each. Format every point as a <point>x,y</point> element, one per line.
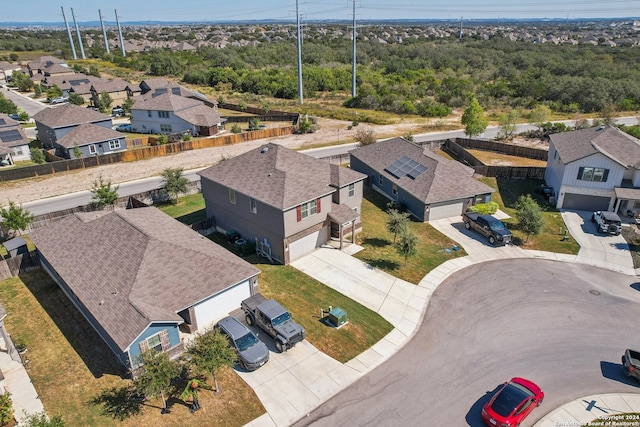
<point>209,352</point>
<point>103,194</point>
<point>408,244</point>
<point>174,182</point>
<point>104,102</point>
<point>365,136</point>
<point>508,123</point>
<point>473,119</point>
<point>529,215</point>
<point>540,115</point>
<point>155,375</point>
<point>397,222</point>
<point>15,219</point>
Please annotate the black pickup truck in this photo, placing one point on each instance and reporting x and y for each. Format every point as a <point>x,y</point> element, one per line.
<point>490,227</point>
<point>274,319</point>
<point>631,363</point>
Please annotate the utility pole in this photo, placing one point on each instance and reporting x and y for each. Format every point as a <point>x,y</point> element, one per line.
<point>299,55</point>
<point>66,24</point>
<point>73,15</point>
<point>353,66</point>
<point>104,32</point>
<point>124,53</point>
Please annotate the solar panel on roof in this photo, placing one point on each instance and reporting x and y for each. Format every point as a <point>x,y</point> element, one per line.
<point>10,135</point>
<point>406,166</point>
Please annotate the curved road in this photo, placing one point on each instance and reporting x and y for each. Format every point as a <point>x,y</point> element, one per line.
<point>562,325</point>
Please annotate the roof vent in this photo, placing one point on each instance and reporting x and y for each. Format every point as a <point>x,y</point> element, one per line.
<point>264,149</point>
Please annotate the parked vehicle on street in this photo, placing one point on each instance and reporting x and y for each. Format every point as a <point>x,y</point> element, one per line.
<point>631,363</point>
<point>59,100</point>
<point>512,403</point>
<point>252,353</point>
<point>490,227</point>
<point>123,127</point>
<point>607,222</point>
<point>274,319</point>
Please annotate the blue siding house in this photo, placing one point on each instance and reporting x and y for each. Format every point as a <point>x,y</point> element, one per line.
<point>142,280</point>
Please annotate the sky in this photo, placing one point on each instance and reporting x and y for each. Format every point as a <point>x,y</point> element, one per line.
<point>210,10</point>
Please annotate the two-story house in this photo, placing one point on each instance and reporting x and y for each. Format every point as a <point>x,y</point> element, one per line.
<point>54,123</point>
<point>286,202</point>
<point>595,169</point>
<point>167,113</point>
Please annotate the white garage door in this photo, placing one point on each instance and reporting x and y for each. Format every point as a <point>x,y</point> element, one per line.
<point>307,244</point>
<point>220,305</point>
<point>445,211</point>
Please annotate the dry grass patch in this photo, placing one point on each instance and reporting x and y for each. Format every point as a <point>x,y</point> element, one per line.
<point>491,158</point>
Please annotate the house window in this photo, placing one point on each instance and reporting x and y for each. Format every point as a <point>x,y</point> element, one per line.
<point>163,114</point>
<point>555,154</point>
<point>309,208</point>
<point>165,128</point>
<point>149,113</point>
<point>232,196</point>
<point>394,190</point>
<point>17,151</point>
<point>593,174</point>
<point>114,144</point>
<point>92,149</point>
<point>155,343</point>
<point>636,204</point>
<point>352,190</point>
<point>380,180</point>
<point>253,206</point>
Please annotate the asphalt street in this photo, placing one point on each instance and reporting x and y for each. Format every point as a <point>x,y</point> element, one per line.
<point>562,325</point>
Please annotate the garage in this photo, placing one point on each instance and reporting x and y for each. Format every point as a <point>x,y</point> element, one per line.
<point>583,202</point>
<point>307,244</point>
<point>221,304</point>
<point>445,211</point>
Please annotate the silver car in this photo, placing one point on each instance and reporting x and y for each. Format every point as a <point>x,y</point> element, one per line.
<point>252,352</point>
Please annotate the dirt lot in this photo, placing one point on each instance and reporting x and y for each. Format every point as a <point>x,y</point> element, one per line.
<point>329,132</point>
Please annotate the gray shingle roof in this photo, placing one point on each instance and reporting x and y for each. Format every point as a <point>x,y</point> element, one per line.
<point>200,115</point>
<point>278,176</point>
<point>610,141</point>
<point>444,179</point>
<point>68,115</point>
<point>164,102</point>
<point>109,86</point>
<point>88,133</point>
<point>133,267</point>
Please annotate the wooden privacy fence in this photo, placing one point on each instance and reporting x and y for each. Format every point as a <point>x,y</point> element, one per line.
<point>142,153</point>
<point>459,145</point>
<point>19,264</point>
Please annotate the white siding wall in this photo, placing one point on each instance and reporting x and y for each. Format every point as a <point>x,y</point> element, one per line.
<point>555,169</point>
<point>635,177</point>
<point>616,172</point>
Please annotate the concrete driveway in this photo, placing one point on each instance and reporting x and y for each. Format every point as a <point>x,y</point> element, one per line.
<point>605,251</point>
<point>601,250</point>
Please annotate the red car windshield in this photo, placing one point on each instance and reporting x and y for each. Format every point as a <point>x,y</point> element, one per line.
<point>511,396</point>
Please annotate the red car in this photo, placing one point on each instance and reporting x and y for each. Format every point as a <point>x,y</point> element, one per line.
<point>512,403</point>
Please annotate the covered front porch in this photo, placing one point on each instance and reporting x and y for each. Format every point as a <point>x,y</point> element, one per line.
<point>627,203</point>
<point>344,222</point>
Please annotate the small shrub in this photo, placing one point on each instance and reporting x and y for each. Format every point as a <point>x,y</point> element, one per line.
<point>186,137</point>
<point>6,409</point>
<point>236,128</point>
<point>37,156</point>
<point>355,123</point>
<point>484,208</point>
<point>163,139</point>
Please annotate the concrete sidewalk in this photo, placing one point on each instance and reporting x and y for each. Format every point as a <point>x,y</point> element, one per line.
<point>606,408</point>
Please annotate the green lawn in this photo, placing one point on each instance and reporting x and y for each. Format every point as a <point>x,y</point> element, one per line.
<point>188,209</point>
<point>434,248</point>
<point>552,237</point>
<point>305,297</point>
